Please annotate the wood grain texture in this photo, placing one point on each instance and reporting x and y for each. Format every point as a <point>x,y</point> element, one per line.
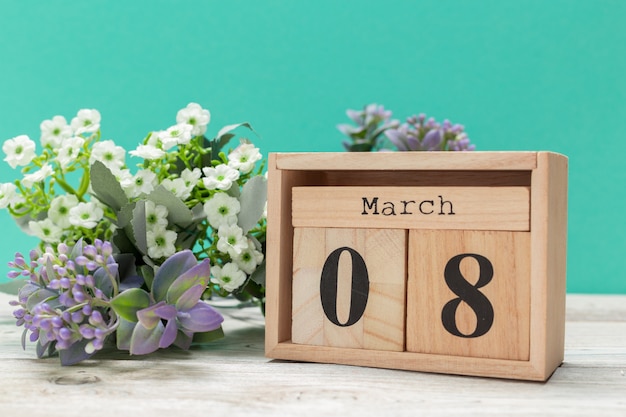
<point>407,161</point>
<point>507,292</point>
<point>456,208</point>
<point>381,326</point>
<point>232,377</point>
<point>548,260</point>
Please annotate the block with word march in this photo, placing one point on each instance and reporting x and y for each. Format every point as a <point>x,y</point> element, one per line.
<point>449,262</point>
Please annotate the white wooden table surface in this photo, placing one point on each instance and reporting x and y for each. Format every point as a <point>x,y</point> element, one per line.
<point>232,377</point>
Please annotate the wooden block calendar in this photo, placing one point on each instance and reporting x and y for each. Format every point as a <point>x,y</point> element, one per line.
<point>448,262</point>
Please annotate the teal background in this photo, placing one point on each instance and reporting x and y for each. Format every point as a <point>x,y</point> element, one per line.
<point>520,75</point>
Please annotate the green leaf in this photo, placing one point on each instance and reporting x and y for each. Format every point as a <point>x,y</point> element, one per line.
<point>12,287</point>
<point>253,198</point>
<point>127,303</point>
<point>147,272</point>
<point>125,215</point>
<point>258,275</point>
<point>144,341</point>
<point>208,337</point>
<point>173,267</point>
<point>229,128</point>
<point>106,187</point>
<point>187,237</point>
<point>138,224</point>
<point>222,138</point>
<point>39,296</point>
<point>178,212</point>
<point>198,275</point>
<point>123,334</point>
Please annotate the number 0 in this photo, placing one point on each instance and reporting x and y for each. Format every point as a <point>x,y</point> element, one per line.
<point>359,291</point>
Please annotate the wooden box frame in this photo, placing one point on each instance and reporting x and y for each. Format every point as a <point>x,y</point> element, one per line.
<point>544,172</point>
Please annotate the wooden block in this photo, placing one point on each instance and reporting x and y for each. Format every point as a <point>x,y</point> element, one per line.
<point>349,288</point>
<point>474,208</point>
<point>469,294</point>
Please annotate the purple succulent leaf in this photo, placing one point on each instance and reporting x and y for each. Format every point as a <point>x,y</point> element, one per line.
<point>183,339</point>
<point>41,346</point>
<point>144,340</point>
<point>166,311</point>
<point>190,298</point>
<point>175,266</point>
<point>124,333</point>
<point>200,318</point>
<point>355,115</point>
<point>169,334</point>
<point>432,140</point>
<point>148,316</point>
<point>75,353</point>
<point>397,138</point>
<point>200,274</point>
<point>413,143</point>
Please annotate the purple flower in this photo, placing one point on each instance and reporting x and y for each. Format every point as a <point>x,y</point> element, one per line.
<point>173,311</point>
<point>59,308</point>
<point>420,134</point>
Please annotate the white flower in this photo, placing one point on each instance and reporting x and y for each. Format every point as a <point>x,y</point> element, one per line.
<point>46,230</point>
<point>191,177</point>
<point>37,176</point>
<point>122,175</point>
<point>220,178</point>
<point>60,207</point>
<point>86,121</point>
<point>249,258</point>
<point>86,215</point>
<point>231,240</point>
<point>19,151</point>
<point>160,243</point>
<point>143,182</point>
<point>195,116</point>
<point>244,157</point>
<point>54,131</point>
<point>156,216</point>
<point>179,134</point>
<point>177,187</point>
<point>108,153</point>
<point>149,152</point>
<point>69,151</point>
<point>222,209</point>
<point>8,195</point>
<point>229,277</point>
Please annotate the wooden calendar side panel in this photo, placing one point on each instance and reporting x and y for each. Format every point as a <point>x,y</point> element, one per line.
<point>490,274</point>
<point>380,324</point>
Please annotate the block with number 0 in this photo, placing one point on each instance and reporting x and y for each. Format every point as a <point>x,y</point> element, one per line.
<point>437,261</point>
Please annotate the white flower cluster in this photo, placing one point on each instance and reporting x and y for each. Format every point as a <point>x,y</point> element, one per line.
<point>62,144</point>
<point>69,147</point>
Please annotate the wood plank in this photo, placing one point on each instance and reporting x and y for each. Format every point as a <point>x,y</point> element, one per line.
<point>548,263</point>
<point>232,377</point>
<point>380,324</point>
<point>495,323</point>
<point>407,161</point>
<point>473,208</point>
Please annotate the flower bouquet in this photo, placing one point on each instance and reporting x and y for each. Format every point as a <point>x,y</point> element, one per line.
<point>127,256</point>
